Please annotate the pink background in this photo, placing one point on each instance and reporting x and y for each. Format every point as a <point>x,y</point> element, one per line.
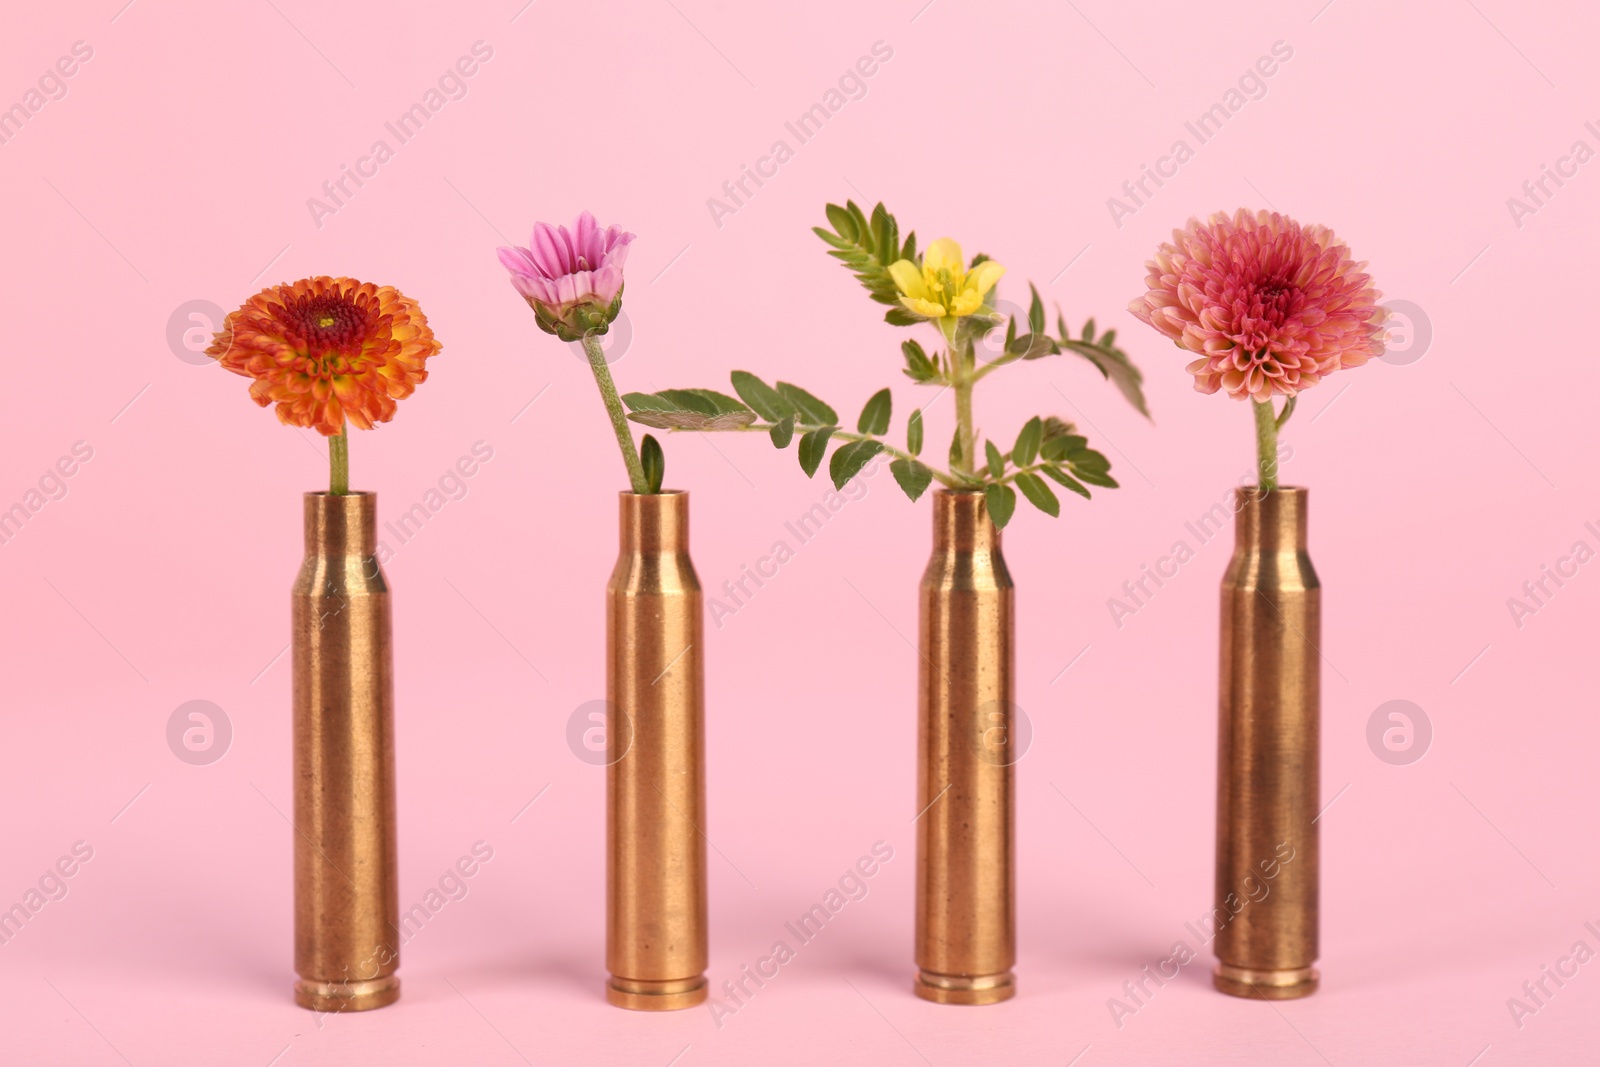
<point>177,168</point>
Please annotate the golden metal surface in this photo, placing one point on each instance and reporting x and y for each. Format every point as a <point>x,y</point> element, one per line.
<point>1268,753</point>
<point>966,942</point>
<point>655,791</point>
<point>346,903</point>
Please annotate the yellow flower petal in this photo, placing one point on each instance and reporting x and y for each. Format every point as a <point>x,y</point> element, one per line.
<point>944,254</point>
<point>965,303</point>
<point>907,278</point>
<point>984,276</point>
<point>926,308</point>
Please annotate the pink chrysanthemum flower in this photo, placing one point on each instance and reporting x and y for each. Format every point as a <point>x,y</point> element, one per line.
<point>571,278</point>
<point>1271,307</point>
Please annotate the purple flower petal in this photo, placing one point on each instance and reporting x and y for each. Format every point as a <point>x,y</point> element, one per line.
<point>550,251</point>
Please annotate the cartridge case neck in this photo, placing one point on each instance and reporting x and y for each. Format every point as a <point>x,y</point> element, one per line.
<point>1270,521</point>
<point>341,525</point>
<point>653,523</point>
<point>961,523</point>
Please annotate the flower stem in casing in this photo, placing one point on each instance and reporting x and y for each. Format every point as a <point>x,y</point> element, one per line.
<point>619,418</point>
<point>962,379</point>
<point>339,463</point>
<point>1266,444</point>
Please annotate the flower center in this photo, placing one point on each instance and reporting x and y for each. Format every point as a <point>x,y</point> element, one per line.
<point>329,329</point>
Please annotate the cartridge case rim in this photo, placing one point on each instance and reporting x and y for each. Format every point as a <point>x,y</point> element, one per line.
<point>347,996</point>
<point>965,989</point>
<point>672,995</point>
<point>1289,983</point>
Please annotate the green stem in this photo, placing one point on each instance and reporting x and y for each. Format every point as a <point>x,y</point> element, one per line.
<point>962,379</point>
<point>1266,444</point>
<point>1288,409</point>
<point>619,418</point>
<point>339,463</point>
<point>949,480</point>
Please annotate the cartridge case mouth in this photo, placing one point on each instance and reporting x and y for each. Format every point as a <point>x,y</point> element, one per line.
<point>965,988</point>
<point>1271,520</point>
<point>654,522</point>
<point>672,995</point>
<point>961,522</point>
<point>1287,983</point>
<point>341,525</point>
<point>347,996</point>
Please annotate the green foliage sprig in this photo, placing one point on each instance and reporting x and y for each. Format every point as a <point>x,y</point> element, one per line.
<point>1047,449</point>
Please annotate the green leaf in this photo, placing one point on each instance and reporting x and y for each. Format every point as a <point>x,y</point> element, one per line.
<point>914,433</point>
<point>1112,362</point>
<point>913,476</point>
<point>875,416</point>
<point>1057,474</point>
<point>762,398</point>
<point>919,368</point>
<point>705,401</point>
<point>1001,502</point>
<point>1100,478</point>
<point>813,411</point>
<point>1026,449</point>
<point>866,248</point>
<point>647,402</point>
<point>841,222</point>
<point>654,463</point>
<point>1035,312</point>
<point>813,446</point>
<point>849,459</point>
<point>899,316</point>
<point>688,409</point>
<point>955,450</point>
<point>1083,459</point>
<point>997,462</point>
<point>1056,449</point>
<point>1039,494</point>
<point>782,432</point>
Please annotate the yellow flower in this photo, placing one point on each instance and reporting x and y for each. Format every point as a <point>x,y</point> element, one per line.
<point>944,288</point>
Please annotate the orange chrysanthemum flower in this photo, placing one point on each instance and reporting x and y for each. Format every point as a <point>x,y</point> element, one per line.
<point>328,349</point>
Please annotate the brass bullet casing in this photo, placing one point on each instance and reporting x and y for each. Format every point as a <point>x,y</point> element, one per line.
<point>966,939</point>
<point>1268,753</point>
<point>655,776</point>
<point>346,902</point>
